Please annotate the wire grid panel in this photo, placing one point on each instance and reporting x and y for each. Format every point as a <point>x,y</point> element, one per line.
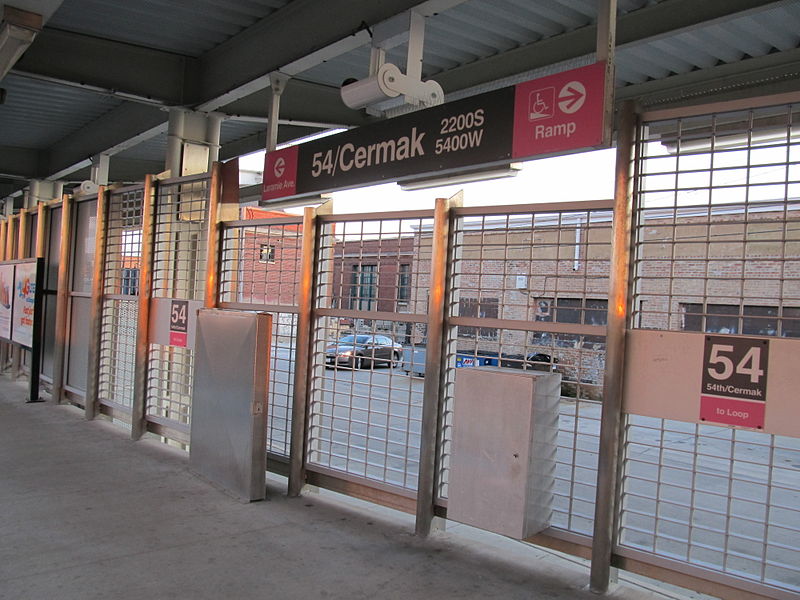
<point>179,270</point>
<point>281,383</point>
<point>261,263</point>
<point>368,346</point>
<point>170,373</point>
<point>120,303</point>
<point>521,284</point>
<point>713,497</point>
<point>717,237</point>
<point>260,270</point>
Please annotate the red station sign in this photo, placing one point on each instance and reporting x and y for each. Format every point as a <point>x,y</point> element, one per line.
<point>559,113</point>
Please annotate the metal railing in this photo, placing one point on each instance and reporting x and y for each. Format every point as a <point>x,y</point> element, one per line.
<point>717,250</point>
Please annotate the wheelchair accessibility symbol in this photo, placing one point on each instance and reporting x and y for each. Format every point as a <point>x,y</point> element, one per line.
<point>541,103</point>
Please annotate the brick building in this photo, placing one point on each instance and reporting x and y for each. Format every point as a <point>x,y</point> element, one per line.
<point>726,269</point>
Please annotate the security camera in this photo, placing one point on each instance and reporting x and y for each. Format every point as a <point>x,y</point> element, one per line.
<point>389,82</point>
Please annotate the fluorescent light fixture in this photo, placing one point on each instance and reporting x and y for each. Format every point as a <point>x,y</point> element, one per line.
<point>17,31</point>
<point>510,170</point>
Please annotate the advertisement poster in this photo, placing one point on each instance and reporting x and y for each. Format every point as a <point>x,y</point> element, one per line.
<point>24,296</point>
<point>6,296</point>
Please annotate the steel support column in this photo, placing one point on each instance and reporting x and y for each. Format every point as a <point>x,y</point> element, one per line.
<point>41,229</point>
<point>618,309</point>
<point>212,240</point>
<point>432,391</point>
<point>139,405</point>
<point>10,238</point>
<point>277,83</point>
<point>96,314</point>
<point>62,298</point>
<point>22,234</point>
<point>5,347</point>
<point>302,354</point>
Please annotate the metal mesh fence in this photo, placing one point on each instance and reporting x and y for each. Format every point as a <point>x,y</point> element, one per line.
<point>260,270</point>
<point>368,341</point>
<point>261,262</point>
<point>717,250</point>
<point>179,269</point>
<point>714,497</point>
<point>120,297</point>
<point>528,290</point>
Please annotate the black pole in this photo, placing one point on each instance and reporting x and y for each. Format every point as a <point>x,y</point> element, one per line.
<point>36,344</point>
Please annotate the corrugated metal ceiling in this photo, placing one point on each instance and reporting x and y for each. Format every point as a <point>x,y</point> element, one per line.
<point>56,111</point>
<point>480,28</point>
<point>752,35</point>
<point>189,28</point>
<point>39,113</point>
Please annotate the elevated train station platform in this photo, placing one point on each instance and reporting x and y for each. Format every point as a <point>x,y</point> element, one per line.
<point>87,513</point>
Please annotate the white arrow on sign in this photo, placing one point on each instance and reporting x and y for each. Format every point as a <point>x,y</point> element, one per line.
<point>571,97</point>
<point>279,167</point>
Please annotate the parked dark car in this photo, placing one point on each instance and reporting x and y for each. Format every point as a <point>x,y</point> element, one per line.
<point>364,350</point>
<point>540,362</point>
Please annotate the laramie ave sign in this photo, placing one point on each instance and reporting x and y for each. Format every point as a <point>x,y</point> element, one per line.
<point>556,114</point>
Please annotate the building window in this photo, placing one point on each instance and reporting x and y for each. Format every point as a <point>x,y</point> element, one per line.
<point>266,253</point>
<point>751,320</point>
<point>130,282</point>
<point>583,311</point>
<point>480,308</point>
<point>364,287</point>
<point>404,283</point>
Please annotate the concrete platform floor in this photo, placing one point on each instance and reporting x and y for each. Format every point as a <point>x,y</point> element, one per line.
<point>86,513</point>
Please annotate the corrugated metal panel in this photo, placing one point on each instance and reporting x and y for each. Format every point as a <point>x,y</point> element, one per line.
<point>154,148</point>
<point>474,30</point>
<point>188,28</point>
<point>478,29</point>
<point>754,34</point>
<point>37,114</point>
<point>236,130</point>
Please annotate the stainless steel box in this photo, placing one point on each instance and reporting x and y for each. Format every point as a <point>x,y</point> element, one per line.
<point>229,400</point>
<point>503,455</point>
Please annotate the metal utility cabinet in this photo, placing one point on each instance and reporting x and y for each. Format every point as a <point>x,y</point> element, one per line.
<point>229,404</point>
<point>502,464</point>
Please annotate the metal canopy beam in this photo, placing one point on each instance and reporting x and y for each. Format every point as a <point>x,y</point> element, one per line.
<point>300,101</point>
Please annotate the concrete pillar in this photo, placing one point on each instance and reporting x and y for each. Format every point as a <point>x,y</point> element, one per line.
<point>99,173</point>
<point>41,190</point>
<point>193,141</point>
